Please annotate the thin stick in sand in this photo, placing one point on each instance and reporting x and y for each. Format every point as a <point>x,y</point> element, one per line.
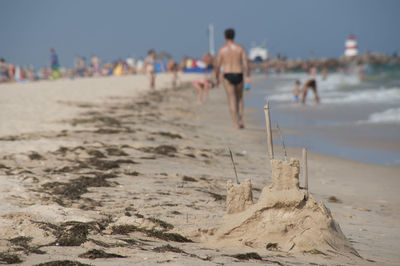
<point>269,133</point>
<point>234,167</point>
<point>305,171</point>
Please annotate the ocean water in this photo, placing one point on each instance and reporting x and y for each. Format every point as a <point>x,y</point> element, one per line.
<point>356,119</point>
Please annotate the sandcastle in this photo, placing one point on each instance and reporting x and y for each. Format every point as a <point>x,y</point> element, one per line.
<point>285,217</point>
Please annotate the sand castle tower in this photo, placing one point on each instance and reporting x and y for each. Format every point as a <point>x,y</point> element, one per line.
<point>351,48</point>
<point>285,217</point>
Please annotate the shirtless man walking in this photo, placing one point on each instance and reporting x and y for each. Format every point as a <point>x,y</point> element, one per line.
<point>233,60</point>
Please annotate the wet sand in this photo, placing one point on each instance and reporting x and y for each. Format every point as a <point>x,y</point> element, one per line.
<point>109,174</point>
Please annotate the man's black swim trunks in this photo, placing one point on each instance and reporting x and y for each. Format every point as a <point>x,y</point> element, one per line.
<point>312,83</point>
<point>234,78</point>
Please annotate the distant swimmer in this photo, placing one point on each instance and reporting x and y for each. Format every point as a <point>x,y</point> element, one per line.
<point>233,60</point>
<point>296,92</point>
<point>311,83</point>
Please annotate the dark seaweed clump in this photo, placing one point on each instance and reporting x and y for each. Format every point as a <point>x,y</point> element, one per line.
<point>96,253</point>
<point>103,164</point>
<point>6,258</point>
<point>189,179</point>
<point>72,233</point>
<point>167,150</point>
<point>168,135</point>
<point>272,246</point>
<point>125,229</point>
<point>23,243</point>
<point>96,153</point>
<point>168,248</point>
<point>62,263</point>
<point>115,152</point>
<point>35,156</point>
<point>74,236</point>
<point>76,187</point>
<point>161,223</point>
<point>247,256</point>
<point>104,120</point>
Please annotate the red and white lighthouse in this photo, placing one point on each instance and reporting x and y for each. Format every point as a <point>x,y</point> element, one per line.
<point>351,48</point>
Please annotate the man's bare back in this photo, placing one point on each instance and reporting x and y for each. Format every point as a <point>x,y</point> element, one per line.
<point>233,60</point>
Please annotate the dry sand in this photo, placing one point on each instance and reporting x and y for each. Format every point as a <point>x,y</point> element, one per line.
<point>96,168</point>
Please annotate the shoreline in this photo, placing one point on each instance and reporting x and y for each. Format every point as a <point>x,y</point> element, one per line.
<point>328,128</point>
<point>167,165</point>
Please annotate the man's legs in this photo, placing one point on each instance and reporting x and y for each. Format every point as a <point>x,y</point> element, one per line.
<point>231,95</point>
<point>316,98</point>
<point>239,103</point>
<point>198,85</point>
<point>152,77</point>
<point>304,94</point>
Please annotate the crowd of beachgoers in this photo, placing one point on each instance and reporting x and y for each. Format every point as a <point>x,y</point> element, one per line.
<point>94,67</point>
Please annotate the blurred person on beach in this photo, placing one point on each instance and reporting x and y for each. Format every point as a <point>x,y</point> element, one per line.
<point>3,70</point>
<point>233,60</point>
<point>11,72</point>
<point>209,61</point>
<point>202,86</point>
<point>118,68</point>
<point>80,66</point>
<point>54,64</point>
<point>173,67</point>
<point>310,83</point>
<point>95,66</point>
<point>296,92</point>
<point>150,68</point>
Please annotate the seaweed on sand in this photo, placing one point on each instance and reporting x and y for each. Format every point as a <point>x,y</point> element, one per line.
<point>62,263</point>
<point>113,151</point>
<point>247,256</point>
<point>35,156</point>
<point>64,193</point>
<point>23,243</point>
<point>125,229</point>
<point>167,150</point>
<point>189,179</point>
<point>7,258</point>
<point>96,153</point>
<point>71,233</point>
<point>161,223</point>
<point>76,187</point>
<point>168,248</point>
<point>107,131</point>
<point>73,236</point>
<point>97,253</point>
<point>104,120</point>
<point>103,164</point>
<point>168,135</point>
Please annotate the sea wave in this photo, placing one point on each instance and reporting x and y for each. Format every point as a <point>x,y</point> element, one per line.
<point>391,115</point>
<point>382,95</point>
<point>332,82</point>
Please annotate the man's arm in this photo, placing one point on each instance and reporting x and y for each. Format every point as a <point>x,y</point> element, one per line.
<point>245,63</point>
<point>218,66</point>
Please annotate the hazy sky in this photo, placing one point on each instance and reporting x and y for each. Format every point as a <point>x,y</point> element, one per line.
<point>116,29</point>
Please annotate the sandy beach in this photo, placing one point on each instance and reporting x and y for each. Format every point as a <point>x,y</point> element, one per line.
<point>103,172</point>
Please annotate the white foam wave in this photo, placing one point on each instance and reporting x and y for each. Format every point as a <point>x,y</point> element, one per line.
<point>333,81</point>
<point>382,95</point>
<point>388,116</point>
